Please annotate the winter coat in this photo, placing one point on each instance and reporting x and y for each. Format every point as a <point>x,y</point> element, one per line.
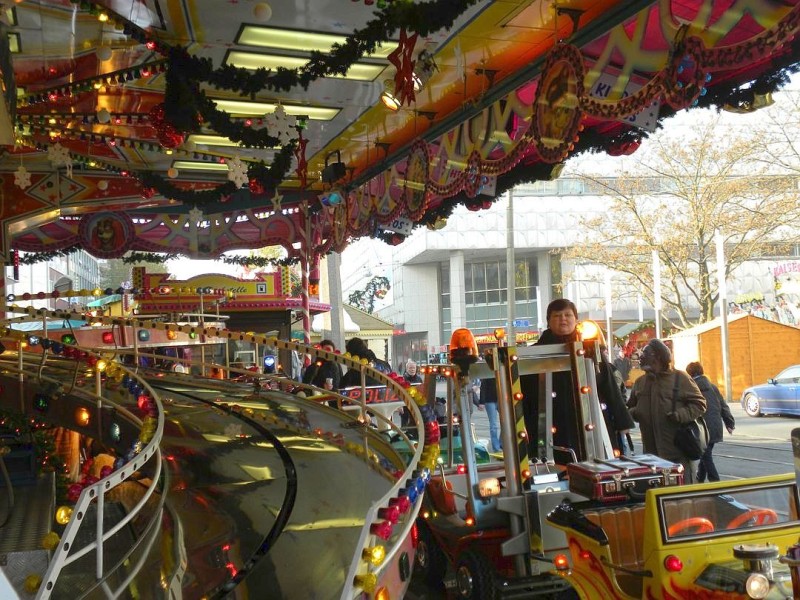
<point>651,405</point>
<point>320,370</point>
<point>566,427</point>
<point>717,411</point>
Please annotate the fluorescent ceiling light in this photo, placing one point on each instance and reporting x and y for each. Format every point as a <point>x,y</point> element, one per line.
<point>253,60</point>
<point>197,165</point>
<point>259,109</point>
<point>300,41</point>
<point>211,140</point>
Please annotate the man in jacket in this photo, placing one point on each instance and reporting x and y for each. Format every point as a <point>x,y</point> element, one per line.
<point>717,415</point>
<point>651,404</point>
<point>322,373</point>
<point>562,321</point>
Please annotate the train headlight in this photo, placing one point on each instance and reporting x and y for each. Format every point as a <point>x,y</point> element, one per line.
<point>489,487</point>
<point>757,586</point>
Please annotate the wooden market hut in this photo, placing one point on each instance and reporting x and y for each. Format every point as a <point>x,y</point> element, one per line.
<point>759,349</point>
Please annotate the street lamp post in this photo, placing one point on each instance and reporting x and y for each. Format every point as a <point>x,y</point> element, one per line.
<point>657,292</point>
<point>723,311</point>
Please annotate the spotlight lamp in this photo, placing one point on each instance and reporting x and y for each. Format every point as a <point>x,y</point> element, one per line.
<point>388,98</point>
<point>333,171</point>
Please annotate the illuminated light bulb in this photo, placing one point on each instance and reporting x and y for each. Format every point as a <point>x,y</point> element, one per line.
<point>114,432</point>
<point>470,521</point>
<point>375,555</point>
<point>390,513</point>
<point>382,529</point>
<point>50,540</point>
<point>367,582</point>
<point>673,564</point>
<point>108,337</point>
<point>68,338</point>
<point>461,469</point>
<point>382,594</point>
<point>585,389</point>
<point>561,562</point>
<point>63,514</point>
<point>32,583</point>
<point>518,396</point>
<point>82,416</point>
<point>41,402</point>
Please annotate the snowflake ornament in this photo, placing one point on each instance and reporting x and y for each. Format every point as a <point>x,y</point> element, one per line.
<point>233,430</point>
<point>237,172</point>
<point>22,179</point>
<point>281,125</point>
<point>58,155</point>
<point>195,215</point>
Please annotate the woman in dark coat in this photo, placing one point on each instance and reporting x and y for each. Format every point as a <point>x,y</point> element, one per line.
<point>358,347</point>
<point>562,320</point>
<point>717,415</point>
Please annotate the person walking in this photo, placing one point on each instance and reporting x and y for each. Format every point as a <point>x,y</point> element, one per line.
<point>661,401</point>
<point>717,414</point>
<point>488,400</point>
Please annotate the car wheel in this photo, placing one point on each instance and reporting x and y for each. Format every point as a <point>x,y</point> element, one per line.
<point>752,406</point>
<point>430,561</point>
<point>475,577</point>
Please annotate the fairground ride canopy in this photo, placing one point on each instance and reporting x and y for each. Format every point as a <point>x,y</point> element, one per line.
<point>199,127</point>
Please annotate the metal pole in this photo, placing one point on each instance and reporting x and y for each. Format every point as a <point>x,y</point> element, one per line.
<point>335,291</point>
<point>723,310</point>
<point>511,336</point>
<point>657,292</point>
<point>609,333</point>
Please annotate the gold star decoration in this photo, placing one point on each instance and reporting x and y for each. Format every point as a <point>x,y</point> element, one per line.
<point>276,201</point>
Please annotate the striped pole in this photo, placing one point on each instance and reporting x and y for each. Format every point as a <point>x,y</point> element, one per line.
<point>305,261</point>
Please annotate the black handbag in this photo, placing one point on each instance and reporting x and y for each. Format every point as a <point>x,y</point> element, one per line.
<point>690,438</point>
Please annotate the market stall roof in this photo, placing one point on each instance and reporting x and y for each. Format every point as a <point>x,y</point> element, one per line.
<point>202,127</point>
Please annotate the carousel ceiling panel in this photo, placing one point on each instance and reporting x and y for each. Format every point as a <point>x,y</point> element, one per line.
<point>144,106</point>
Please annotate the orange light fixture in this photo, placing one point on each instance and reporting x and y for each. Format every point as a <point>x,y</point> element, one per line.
<point>82,416</point>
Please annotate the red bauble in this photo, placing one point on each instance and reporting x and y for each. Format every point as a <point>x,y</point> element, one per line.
<point>169,137</point>
<point>74,492</point>
<point>256,187</point>
<point>156,114</point>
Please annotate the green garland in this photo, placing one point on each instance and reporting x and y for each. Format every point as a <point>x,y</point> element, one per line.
<point>259,261</point>
<point>148,257</point>
<point>37,257</point>
<point>269,177</point>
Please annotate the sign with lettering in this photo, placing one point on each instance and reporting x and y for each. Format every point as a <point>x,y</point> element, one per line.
<point>380,394</point>
<point>646,119</point>
<point>401,225</point>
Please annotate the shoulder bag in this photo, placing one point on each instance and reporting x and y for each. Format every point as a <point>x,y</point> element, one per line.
<point>690,438</point>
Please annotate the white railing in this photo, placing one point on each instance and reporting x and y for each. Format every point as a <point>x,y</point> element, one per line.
<point>64,555</point>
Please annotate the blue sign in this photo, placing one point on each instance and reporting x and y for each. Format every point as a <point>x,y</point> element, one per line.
<point>521,323</point>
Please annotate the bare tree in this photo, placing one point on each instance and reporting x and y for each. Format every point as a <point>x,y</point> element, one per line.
<point>682,190</point>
